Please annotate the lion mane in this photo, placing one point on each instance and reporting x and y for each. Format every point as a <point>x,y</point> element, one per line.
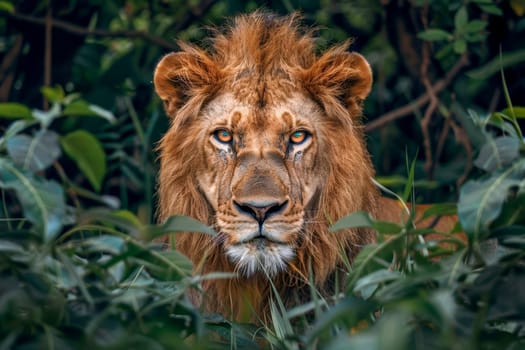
<point>263,73</point>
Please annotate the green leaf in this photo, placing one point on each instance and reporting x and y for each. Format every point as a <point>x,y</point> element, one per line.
<point>475,26</point>
<point>53,94</point>
<point>497,153</point>
<point>492,9</point>
<point>461,19</point>
<point>12,110</point>
<point>103,113</point>
<point>512,214</point>
<point>42,201</point>
<point>435,35</point>
<point>391,180</point>
<point>82,108</point>
<point>13,129</point>
<point>481,201</point>
<point>508,59</point>
<point>475,37</point>
<point>519,112</point>
<point>176,223</point>
<point>444,302</point>
<point>184,265</point>
<point>363,219</point>
<point>11,248</point>
<point>166,264</point>
<point>7,6</point>
<point>123,219</point>
<point>354,220</point>
<point>503,122</point>
<point>62,276</point>
<point>385,227</point>
<point>34,153</point>
<point>104,244</point>
<point>460,46</point>
<point>88,154</point>
<point>369,283</point>
<point>78,107</point>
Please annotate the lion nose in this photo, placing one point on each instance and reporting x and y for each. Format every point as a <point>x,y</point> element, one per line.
<point>260,210</point>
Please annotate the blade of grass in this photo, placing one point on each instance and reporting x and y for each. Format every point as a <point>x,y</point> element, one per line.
<point>409,186</point>
<point>508,100</point>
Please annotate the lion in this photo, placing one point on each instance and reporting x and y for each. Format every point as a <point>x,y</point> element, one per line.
<point>266,145</point>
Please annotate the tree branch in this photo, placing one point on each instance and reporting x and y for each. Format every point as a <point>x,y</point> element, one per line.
<point>81,31</point>
<point>421,100</point>
<point>7,68</point>
<point>195,13</point>
<point>425,122</point>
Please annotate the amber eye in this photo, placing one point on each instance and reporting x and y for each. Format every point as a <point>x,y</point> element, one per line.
<point>299,137</point>
<point>223,136</point>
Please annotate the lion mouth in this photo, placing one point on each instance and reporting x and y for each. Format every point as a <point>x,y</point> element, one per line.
<point>260,254</point>
<point>261,238</point>
<point>261,242</point>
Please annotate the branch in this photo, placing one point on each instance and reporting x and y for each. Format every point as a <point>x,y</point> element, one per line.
<point>7,68</point>
<point>425,122</point>
<point>463,139</point>
<point>195,13</point>
<point>421,100</point>
<point>81,31</point>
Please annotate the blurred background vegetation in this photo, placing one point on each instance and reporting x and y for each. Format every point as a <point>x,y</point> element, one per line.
<point>79,122</point>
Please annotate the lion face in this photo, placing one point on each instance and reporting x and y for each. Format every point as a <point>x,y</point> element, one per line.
<point>265,144</point>
<point>262,178</point>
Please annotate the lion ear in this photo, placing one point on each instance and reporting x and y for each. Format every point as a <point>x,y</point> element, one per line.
<point>339,74</point>
<point>183,75</point>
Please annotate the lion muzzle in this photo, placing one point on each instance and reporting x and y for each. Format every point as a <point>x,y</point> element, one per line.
<point>262,192</point>
<point>260,201</point>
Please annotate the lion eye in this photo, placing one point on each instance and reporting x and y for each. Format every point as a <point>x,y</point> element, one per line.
<point>299,137</point>
<point>223,136</point>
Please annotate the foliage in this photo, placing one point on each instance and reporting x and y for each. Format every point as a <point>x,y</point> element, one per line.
<point>83,279</point>
<point>80,266</point>
<point>469,298</point>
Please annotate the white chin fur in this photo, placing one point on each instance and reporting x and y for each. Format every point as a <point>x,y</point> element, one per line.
<point>249,260</point>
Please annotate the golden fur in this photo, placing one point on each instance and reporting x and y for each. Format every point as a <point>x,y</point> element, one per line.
<point>261,84</point>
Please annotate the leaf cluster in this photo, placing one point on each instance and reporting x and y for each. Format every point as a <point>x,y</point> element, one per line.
<point>76,278</point>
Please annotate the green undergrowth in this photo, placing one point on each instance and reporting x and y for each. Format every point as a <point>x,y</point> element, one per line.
<point>93,277</point>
